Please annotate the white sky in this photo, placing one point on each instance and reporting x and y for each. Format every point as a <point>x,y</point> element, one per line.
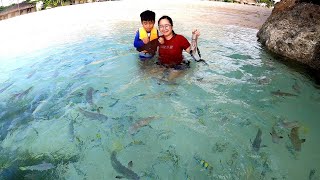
<point>8,2</point>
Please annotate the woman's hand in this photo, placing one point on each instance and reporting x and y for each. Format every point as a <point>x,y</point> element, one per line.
<point>161,40</point>
<point>195,33</point>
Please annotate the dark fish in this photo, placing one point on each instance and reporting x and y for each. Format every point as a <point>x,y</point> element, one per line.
<point>275,137</point>
<point>89,95</point>
<point>124,171</point>
<point>295,140</point>
<point>20,95</point>
<point>117,100</point>
<point>282,94</point>
<point>3,89</point>
<point>257,141</point>
<point>92,115</point>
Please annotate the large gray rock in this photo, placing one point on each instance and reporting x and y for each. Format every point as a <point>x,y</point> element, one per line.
<point>293,31</point>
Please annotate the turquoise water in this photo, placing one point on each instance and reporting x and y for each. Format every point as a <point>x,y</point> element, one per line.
<point>73,102</point>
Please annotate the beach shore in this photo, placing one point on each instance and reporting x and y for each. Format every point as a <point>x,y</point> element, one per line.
<point>41,29</point>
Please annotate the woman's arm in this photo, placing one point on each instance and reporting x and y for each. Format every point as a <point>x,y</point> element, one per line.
<point>194,42</point>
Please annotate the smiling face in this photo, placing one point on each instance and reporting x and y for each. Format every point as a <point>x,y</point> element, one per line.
<point>165,27</point>
<point>148,25</point>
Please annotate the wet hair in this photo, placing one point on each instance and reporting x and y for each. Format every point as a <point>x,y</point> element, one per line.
<point>148,16</point>
<point>170,21</point>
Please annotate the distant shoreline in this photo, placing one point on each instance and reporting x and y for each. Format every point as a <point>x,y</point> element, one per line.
<point>223,13</point>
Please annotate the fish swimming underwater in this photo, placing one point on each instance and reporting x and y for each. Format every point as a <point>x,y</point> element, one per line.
<point>39,167</point>
<point>92,115</point>
<point>135,127</point>
<point>204,164</point>
<point>282,94</point>
<point>6,87</point>
<point>295,140</point>
<point>124,171</point>
<point>275,137</point>
<point>89,95</point>
<point>257,141</point>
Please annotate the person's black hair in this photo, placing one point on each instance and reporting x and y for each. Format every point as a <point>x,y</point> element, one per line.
<point>170,21</point>
<point>148,16</point>
<point>166,17</point>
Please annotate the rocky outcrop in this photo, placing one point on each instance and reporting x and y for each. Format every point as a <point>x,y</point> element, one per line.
<point>293,31</point>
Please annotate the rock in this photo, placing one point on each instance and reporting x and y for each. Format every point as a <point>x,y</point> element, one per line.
<point>293,31</point>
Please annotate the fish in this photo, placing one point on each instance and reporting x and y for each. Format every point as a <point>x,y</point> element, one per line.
<point>295,140</point>
<point>257,141</point>
<point>134,128</point>
<point>204,164</point>
<point>5,88</point>
<point>20,95</point>
<point>282,94</point>
<point>39,167</point>
<point>135,143</point>
<point>275,137</point>
<point>124,171</point>
<point>92,115</point>
<point>116,102</point>
<point>89,95</point>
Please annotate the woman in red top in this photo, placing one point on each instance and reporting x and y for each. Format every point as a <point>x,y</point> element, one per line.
<point>172,45</point>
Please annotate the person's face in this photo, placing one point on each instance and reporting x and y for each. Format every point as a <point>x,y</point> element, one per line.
<point>147,25</point>
<point>165,27</point>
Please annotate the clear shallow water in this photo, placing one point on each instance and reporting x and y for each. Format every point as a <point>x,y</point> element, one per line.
<point>74,101</point>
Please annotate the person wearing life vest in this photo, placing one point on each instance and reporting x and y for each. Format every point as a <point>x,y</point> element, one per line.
<point>146,39</point>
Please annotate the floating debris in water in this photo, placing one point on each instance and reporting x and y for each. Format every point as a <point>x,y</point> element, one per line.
<point>275,137</point>
<point>295,140</point>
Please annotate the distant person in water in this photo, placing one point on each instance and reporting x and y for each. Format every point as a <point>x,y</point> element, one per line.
<point>172,45</point>
<point>146,39</point>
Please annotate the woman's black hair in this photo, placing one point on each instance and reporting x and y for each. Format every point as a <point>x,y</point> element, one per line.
<point>166,17</point>
<point>170,21</point>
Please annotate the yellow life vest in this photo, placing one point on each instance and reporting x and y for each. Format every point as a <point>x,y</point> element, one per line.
<point>143,33</point>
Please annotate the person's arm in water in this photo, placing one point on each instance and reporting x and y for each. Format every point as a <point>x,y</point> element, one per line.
<point>194,41</point>
<point>138,43</point>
